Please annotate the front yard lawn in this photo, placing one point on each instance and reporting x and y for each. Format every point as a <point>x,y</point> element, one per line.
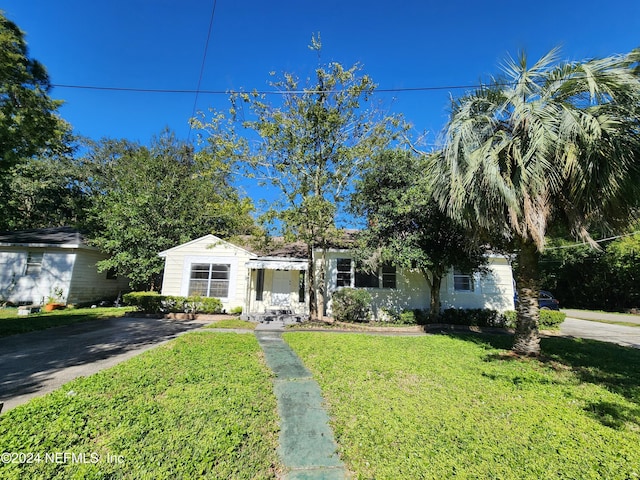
<point>200,406</point>
<point>11,323</point>
<point>232,323</point>
<point>461,406</point>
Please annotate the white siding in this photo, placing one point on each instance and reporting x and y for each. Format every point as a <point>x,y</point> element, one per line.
<point>55,273</point>
<point>88,285</point>
<point>411,292</point>
<point>207,249</point>
<point>493,290</point>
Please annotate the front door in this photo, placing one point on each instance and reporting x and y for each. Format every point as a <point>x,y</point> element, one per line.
<point>281,288</point>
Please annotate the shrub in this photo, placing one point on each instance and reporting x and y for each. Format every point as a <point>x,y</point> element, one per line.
<point>174,304</point>
<point>351,305</point>
<point>406,317</point>
<point>153,302</point>
<point>478,317</point>
<point>148,302</point>
<point>235,311</point>
<point>209,305</point>
<point>422,316</point>
<point>549,319</point>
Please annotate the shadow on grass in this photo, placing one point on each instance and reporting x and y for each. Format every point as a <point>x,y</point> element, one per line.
<point>613,367</point>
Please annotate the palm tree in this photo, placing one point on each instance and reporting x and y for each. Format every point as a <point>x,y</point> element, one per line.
<point>554,143</point>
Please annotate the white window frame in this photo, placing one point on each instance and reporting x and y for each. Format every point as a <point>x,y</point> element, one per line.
<point>189,261</point>
<point>469,279</point>
<point>218,276</point>
<point>34,263</point>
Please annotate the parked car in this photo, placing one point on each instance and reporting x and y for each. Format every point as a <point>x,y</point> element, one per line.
<point>546,301</point>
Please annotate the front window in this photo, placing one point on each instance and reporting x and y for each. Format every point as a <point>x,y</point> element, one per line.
<point>34,263</point>
<point>209,280</point>
<point>343,278</point>
<point>366,279</point>
<point>462,282</point>
<point>384,277</point>
<point>388,276</point>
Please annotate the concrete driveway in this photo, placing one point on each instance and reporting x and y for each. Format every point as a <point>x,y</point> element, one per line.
<point>35,363</point>
<point>606,332</point>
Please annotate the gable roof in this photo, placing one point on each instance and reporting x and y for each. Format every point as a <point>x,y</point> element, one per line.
<point>64,237</point>
<point>207,238</point>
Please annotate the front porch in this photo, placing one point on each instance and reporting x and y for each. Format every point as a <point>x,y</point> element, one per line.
<point>276,290</point>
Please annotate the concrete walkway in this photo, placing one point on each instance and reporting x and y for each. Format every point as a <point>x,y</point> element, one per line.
<point>307,446</point>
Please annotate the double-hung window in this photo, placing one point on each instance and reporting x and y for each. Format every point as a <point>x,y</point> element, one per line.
<point>384,277</point>
<point>462,282</point>
<point>343,276</point>
<point>34,264</point>
<point>209,280</point>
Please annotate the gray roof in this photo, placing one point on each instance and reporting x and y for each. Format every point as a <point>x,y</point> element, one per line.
<point>44,236</point>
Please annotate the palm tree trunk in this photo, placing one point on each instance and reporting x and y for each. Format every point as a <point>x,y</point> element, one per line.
<point>527,339</point>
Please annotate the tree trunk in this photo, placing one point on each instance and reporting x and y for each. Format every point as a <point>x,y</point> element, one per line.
<point>527,339</point>
<point>434,280</point>
<point>311,287</point>
<point>316,284</point>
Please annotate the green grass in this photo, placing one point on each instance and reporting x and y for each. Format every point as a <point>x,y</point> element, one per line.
<point>11,323</point>
<point>232,323</point>
<point>461,406</point>
<point>200,406</point>
<point>611,322</point>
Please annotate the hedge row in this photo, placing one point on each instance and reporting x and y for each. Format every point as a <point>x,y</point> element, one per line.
<point>153,302</point>
<point>354,305</point>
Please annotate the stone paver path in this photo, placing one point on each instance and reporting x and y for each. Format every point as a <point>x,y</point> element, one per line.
<point>307,446</point>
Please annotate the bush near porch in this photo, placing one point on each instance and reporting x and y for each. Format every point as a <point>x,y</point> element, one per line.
<point>153,302</point>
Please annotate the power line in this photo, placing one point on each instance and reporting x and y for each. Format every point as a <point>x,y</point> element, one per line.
<point>582,244</point>
<point>281,92</point>
<point>204,59</point>
<point>259,92</point>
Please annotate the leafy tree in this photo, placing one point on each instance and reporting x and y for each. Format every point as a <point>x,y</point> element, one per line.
<point>311,147</point>
<point>604,279</point>
<point>405,225</point>
<point>29,124</point>
<point>148,199</point>
<point>552,142</point>
<point>42,192</point>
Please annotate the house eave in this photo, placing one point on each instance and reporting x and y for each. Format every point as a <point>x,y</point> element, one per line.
<point>277,263</point>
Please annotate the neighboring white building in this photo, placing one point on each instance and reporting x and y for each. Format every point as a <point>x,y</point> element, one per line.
<point>276,279</point>
<point>40,263</point>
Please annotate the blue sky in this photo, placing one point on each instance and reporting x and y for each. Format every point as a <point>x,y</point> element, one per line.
<point>159,44</point>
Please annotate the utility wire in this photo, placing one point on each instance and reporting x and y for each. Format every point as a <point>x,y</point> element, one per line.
<point>582,244</point>
<point>204,60</point>
<point>259,92</point>
<point>276,92</point>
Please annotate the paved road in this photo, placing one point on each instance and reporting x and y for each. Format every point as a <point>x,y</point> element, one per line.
<point>609,317</point>
<point>620,334</point>
<point>35,363</point>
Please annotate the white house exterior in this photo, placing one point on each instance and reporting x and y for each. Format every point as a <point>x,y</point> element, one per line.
<point>49,262</point>
<point>406,289</point>
<point>278,280</point>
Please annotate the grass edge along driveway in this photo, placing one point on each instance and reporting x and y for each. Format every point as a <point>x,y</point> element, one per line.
<point>462,406</point>
<point>200,406</point>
